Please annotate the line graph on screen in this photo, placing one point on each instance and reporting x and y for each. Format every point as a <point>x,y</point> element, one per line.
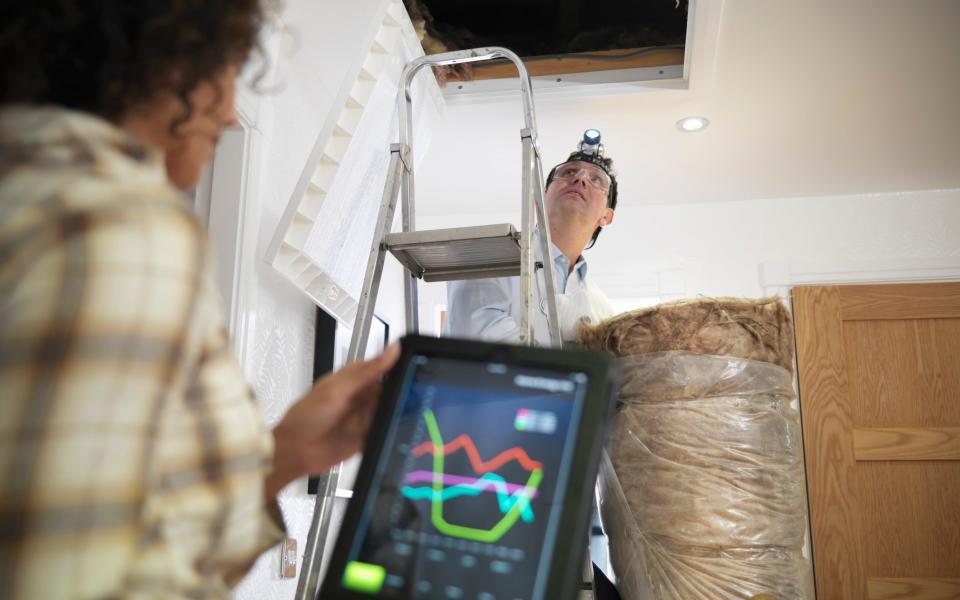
<point>513,500</point>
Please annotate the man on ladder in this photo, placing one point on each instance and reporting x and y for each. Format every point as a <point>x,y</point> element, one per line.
<point>581,197</point>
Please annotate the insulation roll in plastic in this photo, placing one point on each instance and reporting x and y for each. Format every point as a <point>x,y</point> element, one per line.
<point>702,494</point>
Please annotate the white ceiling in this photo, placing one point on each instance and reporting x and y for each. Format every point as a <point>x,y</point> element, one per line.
<point>805,98</point>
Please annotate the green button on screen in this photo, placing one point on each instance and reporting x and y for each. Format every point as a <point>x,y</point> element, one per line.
<point>364,577</point>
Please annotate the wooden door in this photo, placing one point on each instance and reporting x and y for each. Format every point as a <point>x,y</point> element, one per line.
<point>879,374</point>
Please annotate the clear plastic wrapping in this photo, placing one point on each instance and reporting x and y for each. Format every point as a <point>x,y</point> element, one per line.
<point>702,494</point>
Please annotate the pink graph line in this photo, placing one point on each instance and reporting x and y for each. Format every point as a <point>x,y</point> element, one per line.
<point>448,480</point>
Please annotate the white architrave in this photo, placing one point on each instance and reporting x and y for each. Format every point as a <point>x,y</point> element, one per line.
<point>232,208</point>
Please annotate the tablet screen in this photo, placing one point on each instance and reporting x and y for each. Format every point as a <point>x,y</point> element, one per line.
<point>465,501</point>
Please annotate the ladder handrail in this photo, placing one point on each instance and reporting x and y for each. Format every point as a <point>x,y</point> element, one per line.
<point>405,102</point>
<point>532,192</point>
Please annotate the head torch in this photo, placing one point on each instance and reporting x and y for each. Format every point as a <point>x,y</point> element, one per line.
<point>590,145</point>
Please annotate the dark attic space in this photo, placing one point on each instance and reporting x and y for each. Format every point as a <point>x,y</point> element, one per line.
<point>557,36</point>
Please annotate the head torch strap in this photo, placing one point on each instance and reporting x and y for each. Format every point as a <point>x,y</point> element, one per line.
<point>592,159</point>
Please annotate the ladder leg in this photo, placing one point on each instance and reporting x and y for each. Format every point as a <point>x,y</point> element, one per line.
<point>553,316</point>
<point>309,583</point>
<point>410,300</point>
<point>526,242</point>
<point>371,280</point>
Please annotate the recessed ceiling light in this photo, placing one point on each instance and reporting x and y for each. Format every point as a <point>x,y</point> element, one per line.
<point>691,124</point>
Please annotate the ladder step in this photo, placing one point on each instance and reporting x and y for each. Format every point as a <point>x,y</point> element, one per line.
<point>458,252</point>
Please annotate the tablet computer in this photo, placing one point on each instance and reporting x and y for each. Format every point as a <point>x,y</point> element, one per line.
<point>477,475</point>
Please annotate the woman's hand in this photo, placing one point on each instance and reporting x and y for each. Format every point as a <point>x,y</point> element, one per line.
<point>329,423</point>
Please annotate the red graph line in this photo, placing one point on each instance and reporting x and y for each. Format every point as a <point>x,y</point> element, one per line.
<point>481,467</point>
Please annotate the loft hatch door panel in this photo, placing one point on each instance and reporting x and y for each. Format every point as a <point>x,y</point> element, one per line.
<point>563,43</point>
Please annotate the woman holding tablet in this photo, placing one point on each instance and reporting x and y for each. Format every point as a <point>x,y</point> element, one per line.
<point>136,462</point>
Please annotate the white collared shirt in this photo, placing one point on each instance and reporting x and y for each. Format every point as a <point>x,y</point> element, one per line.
<point>490,308</point>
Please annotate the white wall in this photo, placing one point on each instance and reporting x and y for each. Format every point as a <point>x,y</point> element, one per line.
<point>717,249</point>
<point>804,99</point>
<point>757,247</point>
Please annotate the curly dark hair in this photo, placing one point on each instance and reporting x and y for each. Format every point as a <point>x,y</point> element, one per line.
<point>106,56</point>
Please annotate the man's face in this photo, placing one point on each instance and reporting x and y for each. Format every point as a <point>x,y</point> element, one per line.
<point>577,196</point>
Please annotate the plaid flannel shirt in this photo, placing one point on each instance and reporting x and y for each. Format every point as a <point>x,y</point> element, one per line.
<point>132,453</point>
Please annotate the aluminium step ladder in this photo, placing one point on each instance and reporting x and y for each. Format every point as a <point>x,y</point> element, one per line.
<point>442,255</point>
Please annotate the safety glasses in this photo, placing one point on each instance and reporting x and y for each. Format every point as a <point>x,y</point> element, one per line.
<point>594,176</point>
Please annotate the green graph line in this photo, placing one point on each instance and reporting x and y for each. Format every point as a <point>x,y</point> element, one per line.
<point>436,507</point>
<point>505,499</point>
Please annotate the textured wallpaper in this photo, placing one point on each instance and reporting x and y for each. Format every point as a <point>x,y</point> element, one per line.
<point>280,365</point>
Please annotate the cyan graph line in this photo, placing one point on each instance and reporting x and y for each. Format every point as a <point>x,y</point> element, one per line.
<point>505,500</point>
